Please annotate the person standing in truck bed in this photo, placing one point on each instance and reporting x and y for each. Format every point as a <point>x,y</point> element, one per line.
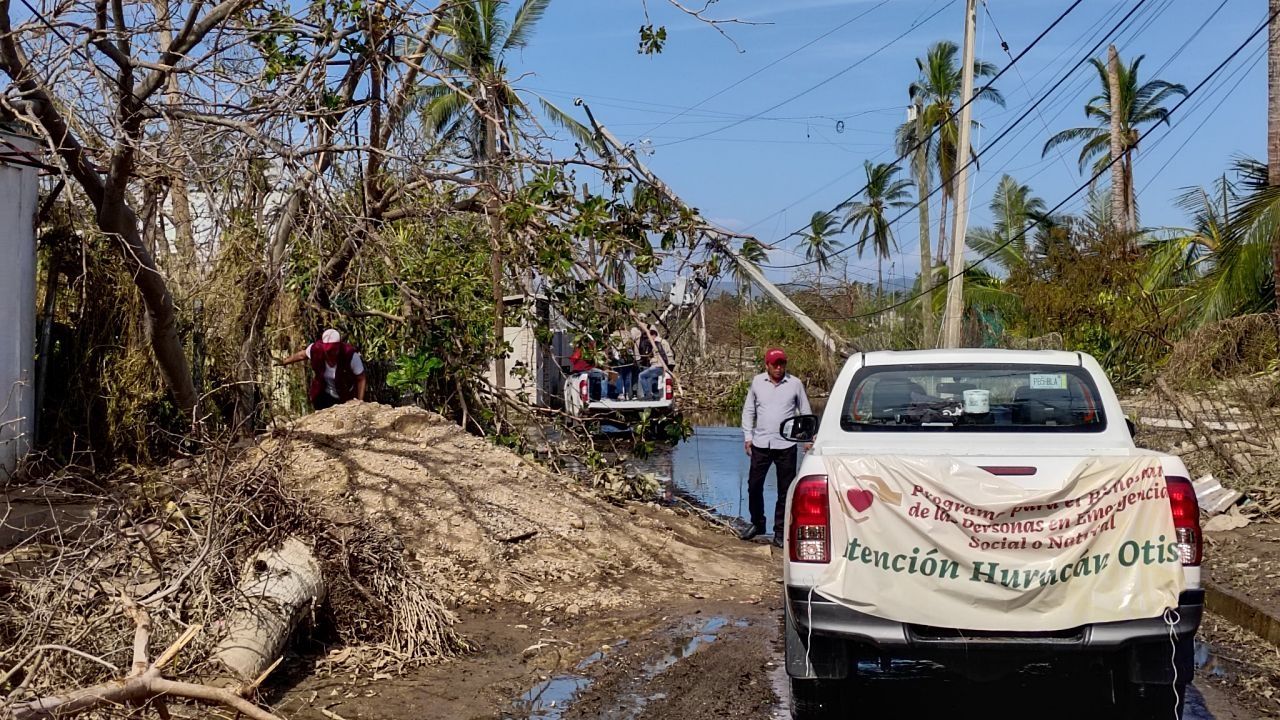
<point>774,396</point>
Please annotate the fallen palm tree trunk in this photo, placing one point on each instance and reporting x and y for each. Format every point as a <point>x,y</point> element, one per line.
<point>280,587</point>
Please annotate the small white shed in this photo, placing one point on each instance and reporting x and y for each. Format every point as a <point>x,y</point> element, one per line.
<point>18,198</point>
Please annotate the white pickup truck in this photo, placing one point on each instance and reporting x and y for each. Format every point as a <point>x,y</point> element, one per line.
<point>584,396</point>
<point>908,536</point>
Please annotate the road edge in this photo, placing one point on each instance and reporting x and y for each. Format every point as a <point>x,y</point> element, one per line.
<point>1241,611</point>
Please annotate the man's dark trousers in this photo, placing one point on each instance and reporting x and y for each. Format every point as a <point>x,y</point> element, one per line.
<point>784,459</point>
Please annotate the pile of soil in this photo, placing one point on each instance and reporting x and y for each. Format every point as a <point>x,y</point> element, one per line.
<point>491,526</point>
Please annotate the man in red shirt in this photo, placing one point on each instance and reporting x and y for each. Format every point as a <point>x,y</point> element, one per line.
<point>599,380</point>
<point>337,371</point>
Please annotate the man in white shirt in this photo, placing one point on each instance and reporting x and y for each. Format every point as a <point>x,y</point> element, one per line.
<point>774,396</point>
<point>337,371</point>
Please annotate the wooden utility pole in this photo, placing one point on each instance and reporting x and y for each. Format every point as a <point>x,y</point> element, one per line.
<point>954,316</point>
<point>1273,128</point>
<point>1119,199</point>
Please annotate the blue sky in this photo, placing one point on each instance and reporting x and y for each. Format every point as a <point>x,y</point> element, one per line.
<point>766,175</point>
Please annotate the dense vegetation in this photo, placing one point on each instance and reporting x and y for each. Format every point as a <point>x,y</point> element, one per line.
<point>380,169</point>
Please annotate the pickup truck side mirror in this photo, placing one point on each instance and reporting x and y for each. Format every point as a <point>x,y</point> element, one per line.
<point>801,428</point>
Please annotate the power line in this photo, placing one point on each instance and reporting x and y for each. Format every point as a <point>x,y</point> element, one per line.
<point>973,160</point>
<point>753,74</point>
<point>1245,70</point>
<point>1074,89</point>
<point>1088,183</point>
<point>1094,28</point>
<point>820,83</point>
<point>1120,41</point>
<point>1004,45</point>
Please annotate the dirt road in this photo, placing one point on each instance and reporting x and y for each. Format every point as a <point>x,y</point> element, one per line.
<point>714,656</point>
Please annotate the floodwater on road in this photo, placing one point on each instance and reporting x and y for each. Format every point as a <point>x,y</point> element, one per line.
<point>711,467</point>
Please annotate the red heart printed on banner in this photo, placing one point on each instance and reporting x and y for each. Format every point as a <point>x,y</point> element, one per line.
<point>860,499</point>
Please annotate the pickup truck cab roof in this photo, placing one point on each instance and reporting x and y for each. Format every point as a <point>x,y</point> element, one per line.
<point>1112,439</point>
<point>967,355</point>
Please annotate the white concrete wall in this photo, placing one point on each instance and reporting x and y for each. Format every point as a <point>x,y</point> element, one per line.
<point>18,197</point>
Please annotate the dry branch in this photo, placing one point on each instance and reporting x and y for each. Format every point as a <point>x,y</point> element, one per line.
<point>146,684</point>
<point>1233,460</point>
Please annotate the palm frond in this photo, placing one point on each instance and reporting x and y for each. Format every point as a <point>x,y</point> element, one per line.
<point>526,19</point>
<point>580,132</point>
<point>443,106</point>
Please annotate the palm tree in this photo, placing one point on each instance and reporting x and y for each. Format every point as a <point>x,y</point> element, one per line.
<point>868,217</point>
<point>1239,277</point>
<point>914,138</point>
<point>938,90</point>
<point>1141,104</point>
<point>480,107</point>
<point>1221,266</point>
<point>818,242</point>
<point>479,94</point>
<point>1015,210</point>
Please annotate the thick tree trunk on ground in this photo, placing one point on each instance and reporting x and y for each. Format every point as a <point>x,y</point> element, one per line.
<point>279,588</point>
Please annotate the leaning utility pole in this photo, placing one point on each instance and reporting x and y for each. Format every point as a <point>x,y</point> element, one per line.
<point>954,314</point>
<point>833,343</point>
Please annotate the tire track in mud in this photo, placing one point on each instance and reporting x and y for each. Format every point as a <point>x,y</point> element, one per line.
<point>705,665</point>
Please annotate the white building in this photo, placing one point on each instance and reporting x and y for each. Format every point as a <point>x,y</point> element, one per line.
<point>18,198</point>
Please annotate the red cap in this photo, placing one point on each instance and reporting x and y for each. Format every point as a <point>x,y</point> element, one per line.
<point>774,356</point>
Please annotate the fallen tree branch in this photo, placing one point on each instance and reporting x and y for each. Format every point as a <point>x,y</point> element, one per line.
<point>139,688</point>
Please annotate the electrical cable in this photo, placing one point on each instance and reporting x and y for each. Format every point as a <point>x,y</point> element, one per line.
<point>1244,72</point>
<point>965,104</point>
<point>1004,45</point>
<point>756,72</point>
<point>1088,183</point>
<point>1077,87</point>
<point>820,83</point>
<point>976,156</point>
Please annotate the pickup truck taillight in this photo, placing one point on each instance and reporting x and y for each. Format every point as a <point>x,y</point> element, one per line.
<point>1186,519</point>
<point>670,394</point>
<point>810,521</point>
<point>584,390</point>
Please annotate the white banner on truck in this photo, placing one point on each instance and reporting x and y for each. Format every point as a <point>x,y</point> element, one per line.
<point>936,542</point>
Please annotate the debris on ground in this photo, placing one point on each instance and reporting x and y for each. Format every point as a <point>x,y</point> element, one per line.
<point>411,520</point>
<point>1232,520</point>
<point>486,523</point>
<point>1213,498</point>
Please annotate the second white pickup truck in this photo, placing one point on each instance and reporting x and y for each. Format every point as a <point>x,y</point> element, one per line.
<point>986,511</point>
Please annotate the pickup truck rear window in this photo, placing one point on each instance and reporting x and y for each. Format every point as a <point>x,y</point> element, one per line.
<point>973,398</point>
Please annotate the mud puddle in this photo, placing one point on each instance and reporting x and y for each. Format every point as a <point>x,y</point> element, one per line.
<point>713,664</point>
<point>575,693</point>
